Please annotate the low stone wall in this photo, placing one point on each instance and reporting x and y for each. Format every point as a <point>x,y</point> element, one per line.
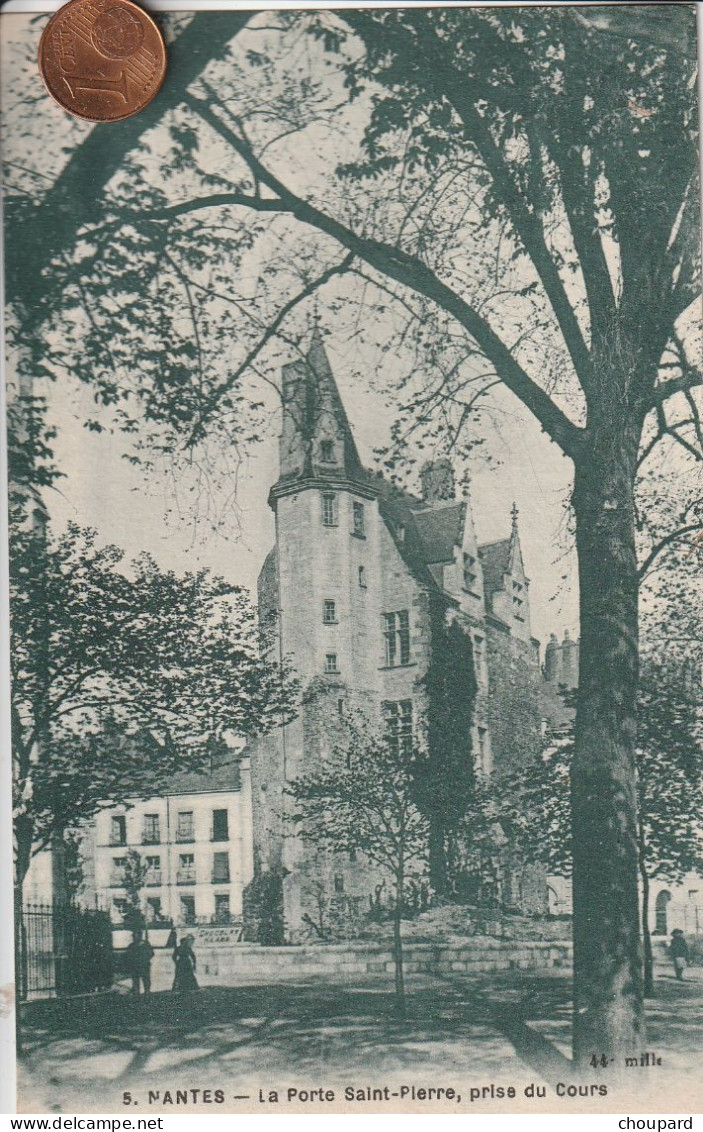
<point>242,964</point>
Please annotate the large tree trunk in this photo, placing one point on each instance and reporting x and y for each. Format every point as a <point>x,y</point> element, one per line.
<point>398,945</point>
<point>24,841</point>
<point>608,1007</point>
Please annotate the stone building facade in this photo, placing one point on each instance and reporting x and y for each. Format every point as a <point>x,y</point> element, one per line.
<point>195,843</point>
<point>361,576</point>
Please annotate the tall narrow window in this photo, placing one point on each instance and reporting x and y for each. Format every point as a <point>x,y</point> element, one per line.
<point>359,524</point>
<point>396,633</point>
<point>398,722</point>
<point>329,509</point>
<point>185,829</point>
<point>153,870</point>
<point>118,829</point>
<point>187,909</point>
<point>220,825</point>
<point>661,906</point>
<point>150,830</point>
<point>222,908</point>
<point>480,664</point>
<point>220,868</point>
<point>483,754</point>
<point>326,451</point>
<point>186,869</point>
<point>117,872</point>
<point>153,909</point>
<point>362,578</point>
<point>329,612</point>
<point>331,662</point>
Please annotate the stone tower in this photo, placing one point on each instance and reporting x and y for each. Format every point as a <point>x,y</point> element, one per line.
<point>361,585</point>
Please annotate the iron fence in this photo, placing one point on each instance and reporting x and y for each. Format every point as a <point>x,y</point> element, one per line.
<point>63,949</point>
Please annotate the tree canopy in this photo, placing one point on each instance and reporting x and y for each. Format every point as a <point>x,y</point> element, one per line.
<point>362,802</point>
<point>122,675</point>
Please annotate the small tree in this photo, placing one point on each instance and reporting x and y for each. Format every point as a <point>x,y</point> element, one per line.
<point>670,788</point>
<point>363,802</point>
<point>134,881</point>
<point>533,805</point>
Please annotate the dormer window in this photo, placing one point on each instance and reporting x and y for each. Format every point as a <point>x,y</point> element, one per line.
<point>470,573</point>
<point>518,600</point>
<point>327,452</point>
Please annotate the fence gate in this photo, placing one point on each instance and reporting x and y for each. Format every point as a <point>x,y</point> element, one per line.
<point>63,949</point>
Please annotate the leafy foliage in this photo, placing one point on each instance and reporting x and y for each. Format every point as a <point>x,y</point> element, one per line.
<point>444,780</point>
<point>121,677</point>
<point>363,803</point>
<point>533,805</point>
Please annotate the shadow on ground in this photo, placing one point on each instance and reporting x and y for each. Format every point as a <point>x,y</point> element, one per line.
<point>509,1029</point>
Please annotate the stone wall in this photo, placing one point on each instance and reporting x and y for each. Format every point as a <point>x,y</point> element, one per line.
<point>513,707</point>
<point>250,964</point>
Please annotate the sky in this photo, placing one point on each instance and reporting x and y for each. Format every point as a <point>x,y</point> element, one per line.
<point>101,489</point>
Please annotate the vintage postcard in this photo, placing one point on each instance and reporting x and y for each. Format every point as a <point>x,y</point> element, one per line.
<point>353,385</point>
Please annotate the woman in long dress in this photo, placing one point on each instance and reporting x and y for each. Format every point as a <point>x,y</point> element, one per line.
<point>184,958</point>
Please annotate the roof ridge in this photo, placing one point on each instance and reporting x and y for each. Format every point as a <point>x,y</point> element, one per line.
<point>495,542</point>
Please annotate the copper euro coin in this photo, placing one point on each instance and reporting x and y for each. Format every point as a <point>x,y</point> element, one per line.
<point>102,60</point>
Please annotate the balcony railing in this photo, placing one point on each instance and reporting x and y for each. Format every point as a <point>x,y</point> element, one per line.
<point>117,839</point>
<point>152,878</point>
<point>217,919</point>
<point>185,835</point>
<point>221,878</point>
<point>185,876</point>
<point>116,880</point>
<point>151,838</point>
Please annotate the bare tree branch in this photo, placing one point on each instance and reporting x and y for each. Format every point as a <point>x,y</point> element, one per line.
<point>412,272</point>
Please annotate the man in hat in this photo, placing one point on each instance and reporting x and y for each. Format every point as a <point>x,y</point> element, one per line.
<point>679,952</point>
<point>138,958</point>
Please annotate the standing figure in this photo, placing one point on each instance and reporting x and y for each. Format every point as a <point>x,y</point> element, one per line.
<point>184,958</point>
<point>679,952</point>
<point>138,958</point>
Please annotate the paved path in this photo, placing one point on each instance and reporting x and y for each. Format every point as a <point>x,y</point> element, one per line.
<point>82,1055</point>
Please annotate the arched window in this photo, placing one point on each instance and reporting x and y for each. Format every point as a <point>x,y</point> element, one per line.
<point>662,902</point>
